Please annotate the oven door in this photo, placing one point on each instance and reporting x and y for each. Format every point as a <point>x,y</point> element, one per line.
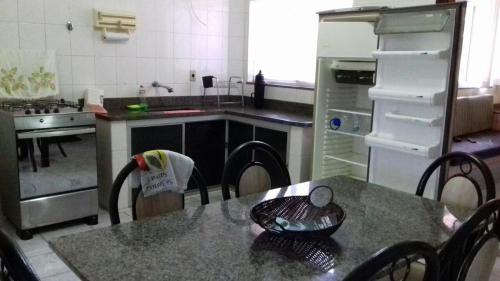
<point>56,161</point>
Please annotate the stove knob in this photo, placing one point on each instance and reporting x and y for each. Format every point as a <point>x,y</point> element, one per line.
<point>37,111</point>
<point>62,101</point>
<point>27,111</point>
<point>46,111</point>
<point>41,120</point>
<point>56,110</point>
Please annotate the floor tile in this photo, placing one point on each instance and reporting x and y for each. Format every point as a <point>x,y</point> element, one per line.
<point>35,246</point>
<point>62,230</point>
<point>48,264</point>
<point>67,276</point>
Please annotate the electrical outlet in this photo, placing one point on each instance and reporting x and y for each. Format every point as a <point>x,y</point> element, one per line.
<point>192,75</point>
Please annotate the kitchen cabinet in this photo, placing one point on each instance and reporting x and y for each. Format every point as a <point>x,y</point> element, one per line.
<point>238,133</point>
<point>167,137</point>
<point>205,144</point>
<point>276,139</point>
<point>203,138</point>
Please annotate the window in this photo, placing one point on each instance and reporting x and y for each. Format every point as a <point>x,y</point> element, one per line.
<point>479,65</point>
<point>282,39</point>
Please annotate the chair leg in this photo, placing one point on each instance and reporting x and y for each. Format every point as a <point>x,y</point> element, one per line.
<point>44,152</point>
<point>31,153</point>
<point>61,149</point>
<point>23,149</point>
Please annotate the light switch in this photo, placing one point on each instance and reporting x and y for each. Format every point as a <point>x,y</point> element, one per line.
<point>192,75</point>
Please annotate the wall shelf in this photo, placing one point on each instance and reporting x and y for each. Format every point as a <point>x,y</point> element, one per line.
<point>351,158</point>
<point>429,151</point>
<point>426,122</point>
<point>410,96</point>
<point>430,54</point>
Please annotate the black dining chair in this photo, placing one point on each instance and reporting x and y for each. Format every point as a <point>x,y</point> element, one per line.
<point>469,185</point>
<point>471,251</point>
<point>14,265</point>
<point>157,204</point>
<point>248,175</point>
<point>395,262</point>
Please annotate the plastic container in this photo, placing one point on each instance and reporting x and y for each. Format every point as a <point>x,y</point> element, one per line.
<point>351,123</point>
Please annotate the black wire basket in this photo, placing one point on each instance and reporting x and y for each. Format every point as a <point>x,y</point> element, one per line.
<point>280,215</point>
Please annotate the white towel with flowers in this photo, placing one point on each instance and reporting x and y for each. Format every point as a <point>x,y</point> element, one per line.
<point>28,74</point>
<point>166,171</point>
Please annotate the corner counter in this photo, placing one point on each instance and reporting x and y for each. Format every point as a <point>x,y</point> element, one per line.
<point>206,133</point>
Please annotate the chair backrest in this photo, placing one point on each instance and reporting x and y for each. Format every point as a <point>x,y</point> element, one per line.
<point>396,261</point>
<point>469,184</point>
<point>253,176</point>
<point>14,264</point>
<point>162,203</point>
<point>471,251</point>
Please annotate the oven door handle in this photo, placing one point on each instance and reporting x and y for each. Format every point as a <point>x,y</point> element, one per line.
<point>56,133</point>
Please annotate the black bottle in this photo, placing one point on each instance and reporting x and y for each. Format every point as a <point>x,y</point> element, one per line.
<point>259,88</point>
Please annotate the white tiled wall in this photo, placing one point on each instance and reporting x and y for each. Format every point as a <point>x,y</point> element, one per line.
<point>169,41</point>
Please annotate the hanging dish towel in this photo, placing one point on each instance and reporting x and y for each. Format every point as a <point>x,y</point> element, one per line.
<point>165,171</point>
<point>26,74</point>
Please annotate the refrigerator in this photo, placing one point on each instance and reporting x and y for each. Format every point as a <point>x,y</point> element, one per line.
<point>386,84</point>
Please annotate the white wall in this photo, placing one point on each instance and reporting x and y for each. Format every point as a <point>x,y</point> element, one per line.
<point>168,43</point>
<point>298,95</point>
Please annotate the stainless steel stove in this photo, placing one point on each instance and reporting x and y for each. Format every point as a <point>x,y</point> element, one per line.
<point>49,163</point>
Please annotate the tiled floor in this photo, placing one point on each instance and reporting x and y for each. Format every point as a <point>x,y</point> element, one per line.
<point>50,268</point>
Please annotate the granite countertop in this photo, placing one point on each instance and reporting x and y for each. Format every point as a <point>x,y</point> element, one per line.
<point>288,116</point>
<point>220,242</point>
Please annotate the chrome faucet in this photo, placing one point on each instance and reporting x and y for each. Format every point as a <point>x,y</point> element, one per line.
<point>158,85</point>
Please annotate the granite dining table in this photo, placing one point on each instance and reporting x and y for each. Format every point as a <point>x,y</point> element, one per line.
<point>219,241</point>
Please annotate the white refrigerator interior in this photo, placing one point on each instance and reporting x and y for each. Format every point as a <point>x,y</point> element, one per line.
<point>343,111</point>
<point>387,130</point>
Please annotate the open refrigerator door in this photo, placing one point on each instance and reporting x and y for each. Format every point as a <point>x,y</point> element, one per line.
<point>414,94</point>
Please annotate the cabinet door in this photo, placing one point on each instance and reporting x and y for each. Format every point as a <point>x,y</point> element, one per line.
<point>276,139</point>
<point>238,133</point>
<point>167,137</point>
<point>205,144</point>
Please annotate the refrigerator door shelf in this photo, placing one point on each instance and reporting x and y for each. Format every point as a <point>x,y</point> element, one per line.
<point>430,98</point>
<point>426,122</point>
<point>423,54</point>
<point>431,151</point>
<point>412,22</point>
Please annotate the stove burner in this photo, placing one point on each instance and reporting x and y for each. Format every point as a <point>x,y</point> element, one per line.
<point>38,106</point>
